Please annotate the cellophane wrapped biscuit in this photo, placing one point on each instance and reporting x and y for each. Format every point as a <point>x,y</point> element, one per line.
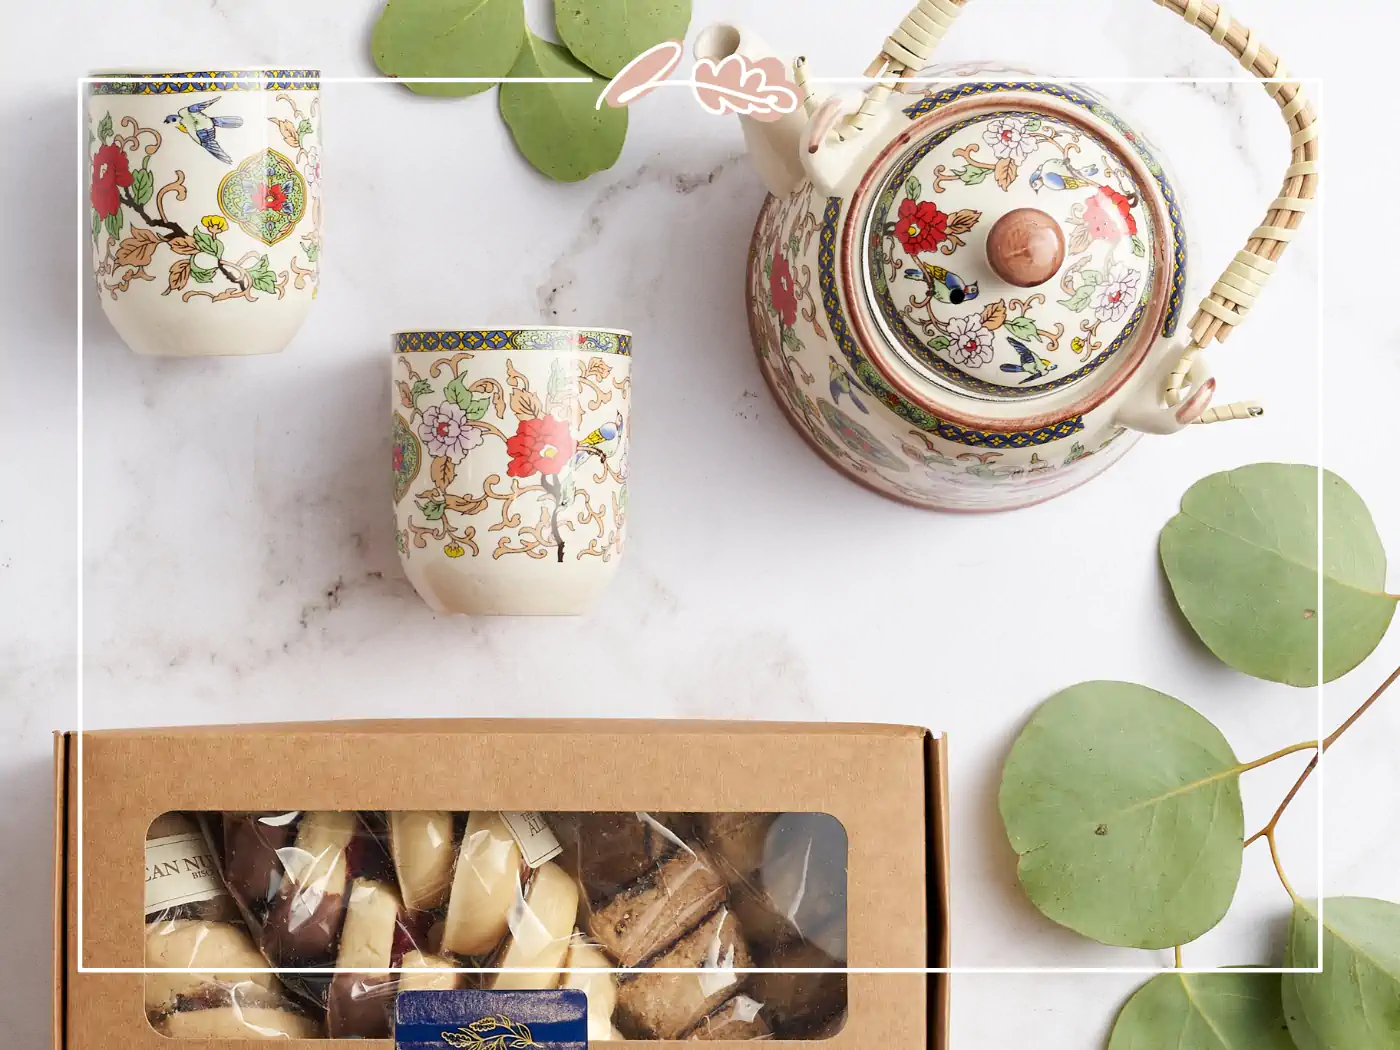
<point>408,900</point>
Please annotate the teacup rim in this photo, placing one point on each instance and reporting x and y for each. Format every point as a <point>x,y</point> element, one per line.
<point>512,328</point>
<point>196,72</point>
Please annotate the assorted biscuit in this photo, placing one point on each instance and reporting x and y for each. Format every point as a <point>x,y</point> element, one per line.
<point>426,893</point>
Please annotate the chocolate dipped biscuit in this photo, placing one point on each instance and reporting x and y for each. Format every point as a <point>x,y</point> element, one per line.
<point>665,1005</point>
<point>736,1018</point>
<point>541,933</point>
<point>485,886</point>
<point>303,923</point>
<point>609,851</point>
<point>359,1005</point>
<point>421,844</point>
<point>189,943</point>
<point>655,911</point>
<point>252,867</point>
<point>736,840</point>
<point>798,1004</point>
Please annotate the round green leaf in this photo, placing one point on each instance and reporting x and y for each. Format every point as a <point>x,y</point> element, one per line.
<point>1355,1003</point>
<point>1242,559</point>
<point>1123,805</point>
<point>1216,1011</point>
<point>448,38</point>
<point>607,34</point>
<point>557,126</point>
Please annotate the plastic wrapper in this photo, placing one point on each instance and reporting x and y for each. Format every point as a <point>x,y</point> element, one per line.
<point>409,900</point>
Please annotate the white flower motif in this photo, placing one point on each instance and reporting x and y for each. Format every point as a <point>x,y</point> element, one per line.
<point>970,341</point>
<point>313,165</point>
<point>1115,295</point>
<point>1008,138</point>
<point>447,431</point>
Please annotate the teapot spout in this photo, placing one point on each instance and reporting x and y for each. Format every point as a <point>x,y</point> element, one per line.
<point>773,144</point>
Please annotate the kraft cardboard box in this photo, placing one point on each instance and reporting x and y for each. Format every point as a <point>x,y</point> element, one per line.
<point>887,785</point>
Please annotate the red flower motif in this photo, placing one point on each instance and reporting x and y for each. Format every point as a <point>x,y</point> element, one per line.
<point>784,295</point>
<point>1109,216</point>
<point>540,446</point>
<point>272,196</point>
<point>110,174</point>
<point>921,226</point>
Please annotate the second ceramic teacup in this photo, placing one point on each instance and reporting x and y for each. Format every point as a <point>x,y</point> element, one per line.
<point>205,207</point>
<point>510,465</point>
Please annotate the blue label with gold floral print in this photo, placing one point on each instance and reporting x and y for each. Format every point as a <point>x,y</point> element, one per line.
<point>486,1020</point>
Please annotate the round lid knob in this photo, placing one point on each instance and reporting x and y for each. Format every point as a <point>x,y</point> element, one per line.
<point>1026,247</point>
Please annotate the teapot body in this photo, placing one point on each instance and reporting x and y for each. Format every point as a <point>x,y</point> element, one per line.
<point>877,342</point>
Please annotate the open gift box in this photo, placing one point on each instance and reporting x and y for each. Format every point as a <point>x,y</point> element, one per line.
<point>712,846</point>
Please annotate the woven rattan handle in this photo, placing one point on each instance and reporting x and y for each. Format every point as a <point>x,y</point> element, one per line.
<point>907,51</point>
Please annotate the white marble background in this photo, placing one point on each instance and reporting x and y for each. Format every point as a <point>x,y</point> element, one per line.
<point>238,560</point>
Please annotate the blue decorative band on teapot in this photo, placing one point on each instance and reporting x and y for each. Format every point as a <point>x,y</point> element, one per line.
<point>208,80</point>
<point>556,340</point>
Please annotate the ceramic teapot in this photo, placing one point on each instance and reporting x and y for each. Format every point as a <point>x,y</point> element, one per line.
<point>967,295</point>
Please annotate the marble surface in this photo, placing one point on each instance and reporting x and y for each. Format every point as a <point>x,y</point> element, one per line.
<point>238,561</point>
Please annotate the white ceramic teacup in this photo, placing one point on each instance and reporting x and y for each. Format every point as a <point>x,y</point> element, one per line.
<point>205,207</point>
<point>510,465</point>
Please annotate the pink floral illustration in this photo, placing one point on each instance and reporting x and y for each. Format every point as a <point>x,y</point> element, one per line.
<point>446,431</point>
<point>1116,294</point>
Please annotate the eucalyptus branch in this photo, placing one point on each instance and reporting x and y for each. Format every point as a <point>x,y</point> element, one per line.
<point>1267,831</point>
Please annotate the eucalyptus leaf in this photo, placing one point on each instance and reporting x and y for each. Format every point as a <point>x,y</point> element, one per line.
<point>607,34</point>
<point>1242,559</point>
<point>1123,805</point>
<point>1216,1011</point>
<point>1354,1004</point>
<point>448,38</point>
<point>556,126</point>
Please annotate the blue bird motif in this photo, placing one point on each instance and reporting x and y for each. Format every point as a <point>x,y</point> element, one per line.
<point>198,125</point>
<point>1058,174</point>
<point>841,383</point>
<point>946,286</point>
<point>1033,365</point>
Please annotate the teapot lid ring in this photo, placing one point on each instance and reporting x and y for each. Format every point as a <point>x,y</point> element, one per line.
<point>997,397</point>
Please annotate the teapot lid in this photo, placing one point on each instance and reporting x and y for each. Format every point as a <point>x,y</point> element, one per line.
<point>1016,244</point>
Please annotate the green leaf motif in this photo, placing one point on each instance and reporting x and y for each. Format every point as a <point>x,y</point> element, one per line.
<point>456,391</point>
<point>1123,805</point>
<point>114,223</point>
<point>104,129</point>
<point>940,342</point>
<point>143,184</point>
<point>96,225</point>
<point>556,126</point>
<point>1090,278</point>
<point>1034,124</point>
<point>1023,328</point>
<point>607,34</point>
<point>448,38</point>
<point>432,510</point>
<point>263,277</point>
<point>312,251</point>
<point>793,341</point>
<point>304,129</point>
<point>1242,560</point>
<point>1354,1004</point>
<point>421,387</point>
<point>201,275</point>
<point>1079,299</point>
<point>913,188</point>
<point>973,175</point>
<point>1216,1011</point>
<point>1139,249</point>
<point>477,408</point>
<point>208,243</point>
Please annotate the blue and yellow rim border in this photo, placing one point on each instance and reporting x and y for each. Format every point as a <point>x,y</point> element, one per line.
<point>205,80</point>
<point>553,340</point>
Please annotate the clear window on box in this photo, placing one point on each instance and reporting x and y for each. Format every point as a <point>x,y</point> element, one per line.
<point>428,893</point>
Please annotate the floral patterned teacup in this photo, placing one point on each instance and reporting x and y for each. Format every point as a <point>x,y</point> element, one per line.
<point>510,466</point>
<point>205,207</point>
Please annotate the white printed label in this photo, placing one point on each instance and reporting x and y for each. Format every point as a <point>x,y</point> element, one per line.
<point>537,843</point>
<point>180,870</point>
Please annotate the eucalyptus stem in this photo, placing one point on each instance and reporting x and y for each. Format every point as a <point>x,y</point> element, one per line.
<point>1306,745</point>
<point>1176,953</point>
<point>1267,832</point>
